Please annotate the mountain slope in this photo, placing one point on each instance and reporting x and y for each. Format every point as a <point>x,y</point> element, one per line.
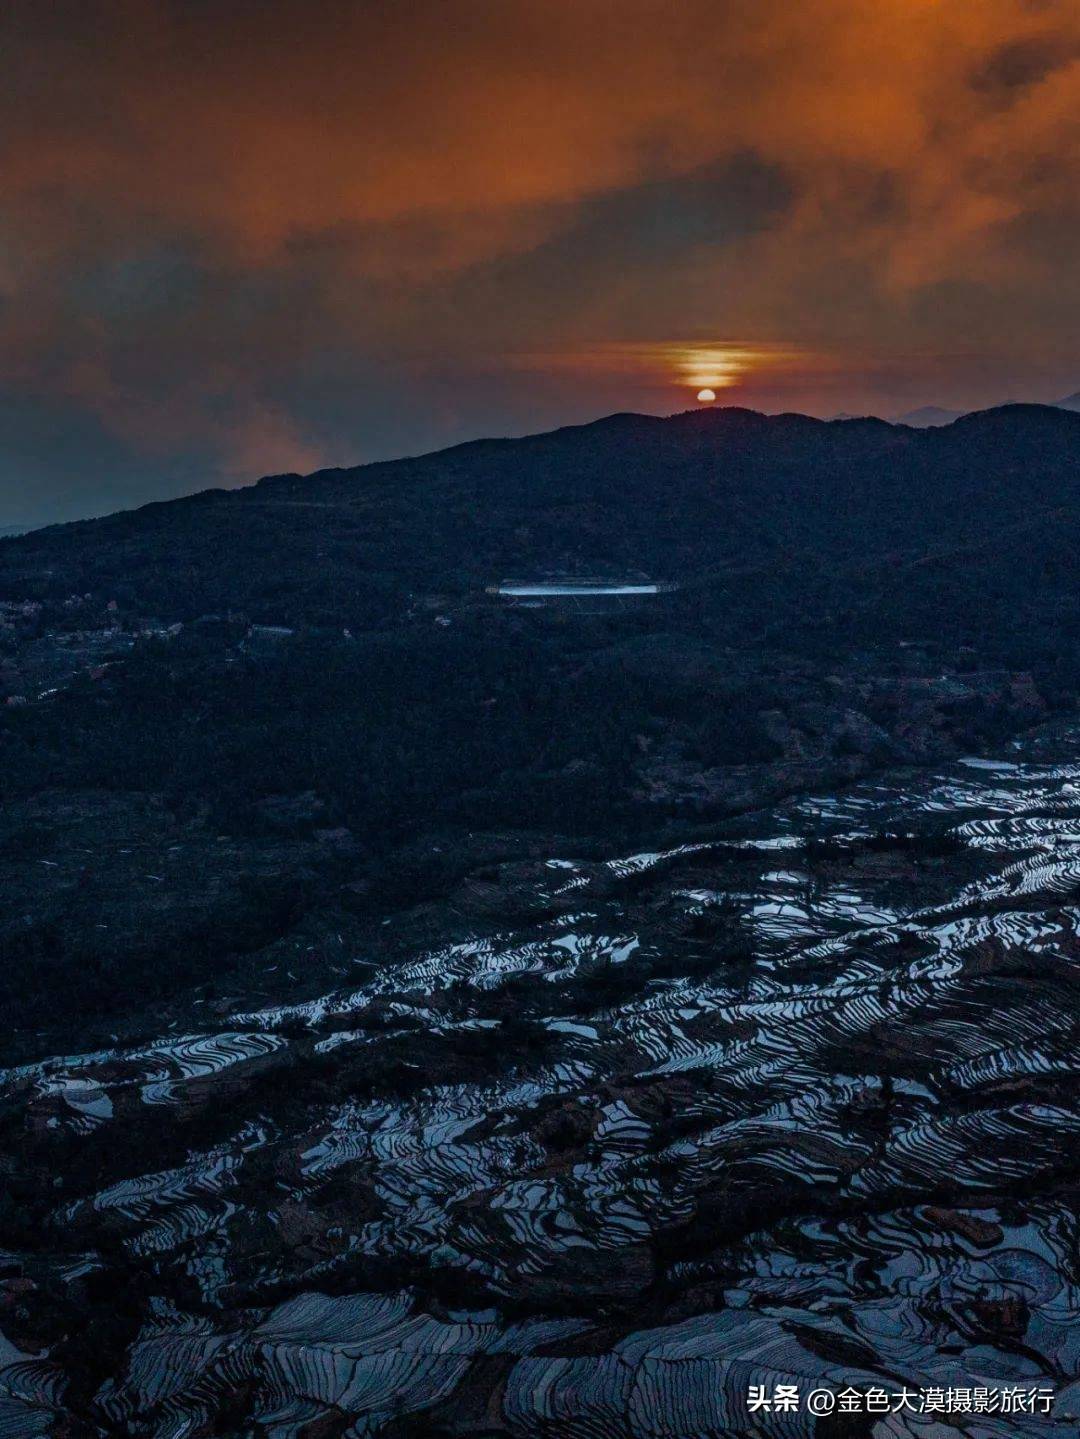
<point>435,964</point>
<point>682,499</point>
<point>847,595</point>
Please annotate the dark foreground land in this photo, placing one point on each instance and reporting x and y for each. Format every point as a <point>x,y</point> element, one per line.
<point>433,1015</point>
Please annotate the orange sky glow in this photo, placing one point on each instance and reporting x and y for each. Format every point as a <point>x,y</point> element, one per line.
<point>248,237</point>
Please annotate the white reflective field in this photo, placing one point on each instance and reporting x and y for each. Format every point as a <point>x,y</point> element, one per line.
<point>751,1111</point>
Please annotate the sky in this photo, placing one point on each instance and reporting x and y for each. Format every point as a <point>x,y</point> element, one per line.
<point>244,237</point>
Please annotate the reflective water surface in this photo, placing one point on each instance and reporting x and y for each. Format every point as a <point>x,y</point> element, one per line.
<point>797,1105</point>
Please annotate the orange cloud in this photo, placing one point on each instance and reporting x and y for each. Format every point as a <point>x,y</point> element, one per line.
<point>258,125</point>
<point>365,163</point>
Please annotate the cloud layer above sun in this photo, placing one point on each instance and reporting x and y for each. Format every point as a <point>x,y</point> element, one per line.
<point>246,236</point>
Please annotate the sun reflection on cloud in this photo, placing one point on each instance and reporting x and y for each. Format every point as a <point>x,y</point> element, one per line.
<point>694,365</point>
<point>717,365</point>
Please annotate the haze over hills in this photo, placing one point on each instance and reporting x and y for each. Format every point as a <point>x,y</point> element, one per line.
<point>928,415</point>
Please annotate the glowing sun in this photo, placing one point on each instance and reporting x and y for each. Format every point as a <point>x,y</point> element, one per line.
<point>706,396</point>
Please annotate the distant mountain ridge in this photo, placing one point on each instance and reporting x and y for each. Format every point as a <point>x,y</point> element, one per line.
<point>930,415</point>
<point>927,416</point>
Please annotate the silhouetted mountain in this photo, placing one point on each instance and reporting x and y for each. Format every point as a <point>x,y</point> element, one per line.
<point>933,415</point>
<point>796,508</point>
<point>338,633</point>
<point>928,416</point>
